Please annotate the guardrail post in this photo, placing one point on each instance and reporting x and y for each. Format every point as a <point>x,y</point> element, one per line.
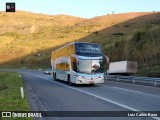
<point>22,92</point>
<point>155,83</point>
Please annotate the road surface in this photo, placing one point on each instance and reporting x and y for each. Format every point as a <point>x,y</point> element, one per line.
<point>45,94</point>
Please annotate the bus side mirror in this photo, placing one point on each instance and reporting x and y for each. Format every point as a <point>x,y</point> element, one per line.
<point>107,59</point>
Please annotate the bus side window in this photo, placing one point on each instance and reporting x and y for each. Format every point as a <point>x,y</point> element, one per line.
<point>57,66</point>
<point>73,64</point>
<point>62,66</point>
<point>67,67</point>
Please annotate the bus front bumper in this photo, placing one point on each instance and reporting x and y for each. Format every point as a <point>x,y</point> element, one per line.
<point>81,80</point>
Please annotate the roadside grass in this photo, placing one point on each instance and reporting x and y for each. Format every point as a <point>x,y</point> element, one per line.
<point>10,96</point>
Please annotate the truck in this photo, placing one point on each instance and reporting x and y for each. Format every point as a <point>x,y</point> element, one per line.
<point>122,68</point>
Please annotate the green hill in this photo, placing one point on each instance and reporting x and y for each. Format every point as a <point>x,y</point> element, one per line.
<point>128,36</point>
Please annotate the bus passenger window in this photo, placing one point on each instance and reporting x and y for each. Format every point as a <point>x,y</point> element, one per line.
<point>67,67</point>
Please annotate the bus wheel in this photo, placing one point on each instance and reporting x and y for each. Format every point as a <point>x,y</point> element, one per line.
<point>69,80</point>
<point>91,85</point>
<point>55,76</point>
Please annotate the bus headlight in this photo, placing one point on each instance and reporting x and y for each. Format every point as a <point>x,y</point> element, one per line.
<point>79,76</point>
<point>100,76</point>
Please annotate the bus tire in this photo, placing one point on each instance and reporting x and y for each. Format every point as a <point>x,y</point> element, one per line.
<point>91,85</point>
<point>69,80</point>
<point>55,78</point>
<point>53,75</point>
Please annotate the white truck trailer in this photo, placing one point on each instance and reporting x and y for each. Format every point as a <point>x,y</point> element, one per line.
<point>122,68</point>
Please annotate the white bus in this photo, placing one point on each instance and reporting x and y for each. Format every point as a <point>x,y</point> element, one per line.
<point>78,63</point>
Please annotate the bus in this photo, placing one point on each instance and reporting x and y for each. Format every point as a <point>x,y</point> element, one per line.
<point>78,63</point>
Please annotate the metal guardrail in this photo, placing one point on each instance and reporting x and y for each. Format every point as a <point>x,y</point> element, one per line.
<point>134,79</point>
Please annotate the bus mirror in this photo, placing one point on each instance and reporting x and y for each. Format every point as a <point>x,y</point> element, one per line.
<point>75,56</point>
<point>107,59</point>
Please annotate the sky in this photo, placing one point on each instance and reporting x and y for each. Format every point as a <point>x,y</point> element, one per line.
<point>84,8</point>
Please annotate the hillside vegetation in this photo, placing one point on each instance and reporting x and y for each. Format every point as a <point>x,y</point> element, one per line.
<point>27,39</point>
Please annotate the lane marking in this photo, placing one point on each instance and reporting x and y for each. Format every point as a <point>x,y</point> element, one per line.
<point>134,91</point>
<point>102,98</point>
<point>132,84</point>
<point>128,90</point>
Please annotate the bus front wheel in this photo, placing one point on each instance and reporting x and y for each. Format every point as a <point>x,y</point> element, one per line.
<point>55,78</point>
<point>69,80</point>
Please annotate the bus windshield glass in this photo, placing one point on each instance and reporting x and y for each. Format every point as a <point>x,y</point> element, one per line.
<point>88,49</point>
<point>90,66</point>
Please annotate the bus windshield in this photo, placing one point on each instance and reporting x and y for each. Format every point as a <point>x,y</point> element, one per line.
<point>90,66</point>
<point>88,49</point>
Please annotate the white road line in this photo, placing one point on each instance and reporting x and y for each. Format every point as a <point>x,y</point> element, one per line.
<point>133,84</point>
<point>102,98</point>
<point>127,90</point>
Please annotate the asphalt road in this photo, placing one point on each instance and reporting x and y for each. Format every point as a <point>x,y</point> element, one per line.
<point>45,94</point>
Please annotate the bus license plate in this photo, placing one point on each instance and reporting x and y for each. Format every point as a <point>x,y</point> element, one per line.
<point>91,82</point>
